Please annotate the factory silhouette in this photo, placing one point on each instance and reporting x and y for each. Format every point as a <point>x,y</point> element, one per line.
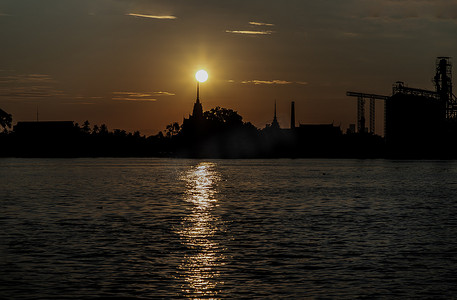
<point>419,124</point>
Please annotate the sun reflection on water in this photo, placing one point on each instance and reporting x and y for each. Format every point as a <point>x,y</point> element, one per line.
<point>199,229</point>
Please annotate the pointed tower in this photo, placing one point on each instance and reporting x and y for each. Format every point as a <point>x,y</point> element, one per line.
<point>197,112</point>
<point>275,123</point>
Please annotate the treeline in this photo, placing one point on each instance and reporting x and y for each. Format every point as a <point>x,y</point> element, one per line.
<point>221,128</point>
<point>79,141</point>
<point>219,133</point>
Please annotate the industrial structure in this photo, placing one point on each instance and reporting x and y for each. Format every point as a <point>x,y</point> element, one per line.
<point>361,98</point>
<point>415,118</point>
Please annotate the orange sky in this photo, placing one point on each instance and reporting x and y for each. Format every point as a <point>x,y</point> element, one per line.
<point>131,64</point>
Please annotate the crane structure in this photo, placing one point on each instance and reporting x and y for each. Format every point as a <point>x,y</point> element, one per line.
<point>361,99</point>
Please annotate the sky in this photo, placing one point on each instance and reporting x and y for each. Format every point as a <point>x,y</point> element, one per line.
<point>130,64</point>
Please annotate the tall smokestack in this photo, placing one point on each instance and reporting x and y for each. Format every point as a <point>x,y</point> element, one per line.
<point>292,116</point>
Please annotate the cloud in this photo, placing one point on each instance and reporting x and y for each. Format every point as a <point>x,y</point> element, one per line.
<point>350,34</point>
<point>28,86</point>
<point>273,82</point>
<point>152,16</point>
<point>138,96</point>
<point>260,24</point>
<point>254,32</point>
<point>32,92</point>
<point>257,82</point>
<point>27,79</point>
<point>79,103</point>
<point>163,93</point>
<point>87,97</point>
<point>250,32</point>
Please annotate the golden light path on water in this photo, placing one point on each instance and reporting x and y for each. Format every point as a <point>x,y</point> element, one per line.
<point>198,233</point>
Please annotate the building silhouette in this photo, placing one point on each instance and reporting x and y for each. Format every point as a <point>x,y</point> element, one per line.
<point>45,129</point>
<point>422,123</point>
<point>45,138</point>
<point>415,119</point>
<point>418,122</point>
<point>304,140</point>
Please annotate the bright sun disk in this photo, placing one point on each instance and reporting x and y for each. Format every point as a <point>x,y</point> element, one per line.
<point>201,76</point>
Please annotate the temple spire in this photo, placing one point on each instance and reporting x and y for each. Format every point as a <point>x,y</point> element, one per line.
<point>197,112</point>
<point>275,123</point>
<point>198,92</point>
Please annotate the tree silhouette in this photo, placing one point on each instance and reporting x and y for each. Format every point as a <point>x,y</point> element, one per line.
<point>95,130</point>
<point>226,116</point>
<point>86,127</point>
<point>172,129</point>
<point>120,133</point>
<point>5,119</point>
<point>103,129</point>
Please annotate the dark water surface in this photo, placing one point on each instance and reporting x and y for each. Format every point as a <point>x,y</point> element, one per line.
<point>165,228</point>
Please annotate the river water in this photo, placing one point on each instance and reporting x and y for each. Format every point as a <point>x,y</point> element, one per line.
<point>216,229</point>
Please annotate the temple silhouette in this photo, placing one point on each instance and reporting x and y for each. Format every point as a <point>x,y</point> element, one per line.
<point>418,124</point>
<point>194,125</point>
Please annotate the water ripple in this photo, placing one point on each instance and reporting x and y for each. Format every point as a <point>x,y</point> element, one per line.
<point>165,228</point>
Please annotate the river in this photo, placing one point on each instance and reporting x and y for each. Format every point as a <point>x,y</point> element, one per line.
<point>216,229</point>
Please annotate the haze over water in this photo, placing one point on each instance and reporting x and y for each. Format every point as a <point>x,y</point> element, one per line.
<point>170,228</point>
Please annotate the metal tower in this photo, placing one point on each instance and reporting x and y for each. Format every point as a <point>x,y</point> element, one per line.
<point>443,85</point>
<point>361,109</point>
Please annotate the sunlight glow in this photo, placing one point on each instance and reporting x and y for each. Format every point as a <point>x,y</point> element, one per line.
<point>199,230</point>
<point>201,76</point>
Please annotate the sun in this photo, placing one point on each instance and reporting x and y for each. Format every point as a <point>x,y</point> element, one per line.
<point>201,76</point>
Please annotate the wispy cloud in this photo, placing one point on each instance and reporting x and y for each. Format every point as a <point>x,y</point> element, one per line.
<point>23,93</point>
<point>28,86</point>
<point>164,94</point>
<point>260,24</point>
<point>87,97</point>
<point>251,32</point>
<point>273,82</point>
<point>350,34</point>
<point>152,16</point>
<point>27,79</point>
<point>29,92</point>
<point>79,103</point>
<point>257,82</point>
<point>139,96</point>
